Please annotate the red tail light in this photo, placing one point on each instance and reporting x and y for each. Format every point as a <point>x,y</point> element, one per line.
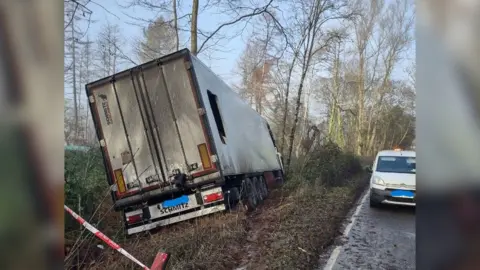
<point>213,197</point>
<point>134,219</point>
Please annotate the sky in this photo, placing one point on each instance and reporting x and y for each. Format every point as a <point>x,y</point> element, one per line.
<point>224,60</point>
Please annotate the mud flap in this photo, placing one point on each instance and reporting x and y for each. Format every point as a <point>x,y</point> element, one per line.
<point>161,261</point>
<point>271,180</point>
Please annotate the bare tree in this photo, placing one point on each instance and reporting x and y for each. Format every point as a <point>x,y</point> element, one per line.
<point>252,12</point>
<point>157,40</point>
<point>200,39</point>
<point>86,75</point>
<point>256,63</point>
<point>411,71</point>
<point>332,92</point>
<point>382,36</point>
<point>109,54</point>
<point>76,13</point>
<point>393,38</point>
<point>175,25</point>
<point>194,28</point>
<point>364,24</point>
<point>314,38</point>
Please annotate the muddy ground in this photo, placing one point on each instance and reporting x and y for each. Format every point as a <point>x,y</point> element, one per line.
<point>289,231</point>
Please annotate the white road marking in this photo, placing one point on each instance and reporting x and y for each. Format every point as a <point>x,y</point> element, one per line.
<point>336,252</point>
<point>355,214</point>
<point>333,258</point>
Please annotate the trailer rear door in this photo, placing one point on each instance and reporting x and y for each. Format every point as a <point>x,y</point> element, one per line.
<point>149,126</point>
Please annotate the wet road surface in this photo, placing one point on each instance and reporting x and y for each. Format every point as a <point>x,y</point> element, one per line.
<point>378,238</point>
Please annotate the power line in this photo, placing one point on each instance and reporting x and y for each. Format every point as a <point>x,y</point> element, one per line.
<point>78,6</point>
<point>84,7</point>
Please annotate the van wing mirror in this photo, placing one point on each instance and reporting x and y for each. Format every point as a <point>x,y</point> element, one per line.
<point>368,169</point>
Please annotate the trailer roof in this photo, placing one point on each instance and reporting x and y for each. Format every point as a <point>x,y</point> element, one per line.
<point>126,72</point>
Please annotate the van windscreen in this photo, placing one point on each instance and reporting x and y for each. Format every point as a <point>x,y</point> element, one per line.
<point>392,164</point>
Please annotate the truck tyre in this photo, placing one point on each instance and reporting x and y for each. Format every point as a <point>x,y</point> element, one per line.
<point>263,187</point>
<point>232,197</point>
<point>258,189</point>
<point>249,195</point>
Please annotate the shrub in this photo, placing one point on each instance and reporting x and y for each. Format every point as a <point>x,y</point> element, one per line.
<point>85,183</point>
<point>330,166</point>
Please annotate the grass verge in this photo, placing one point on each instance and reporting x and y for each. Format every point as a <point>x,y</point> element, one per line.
<point>306,222</point>
<point>288,231</point>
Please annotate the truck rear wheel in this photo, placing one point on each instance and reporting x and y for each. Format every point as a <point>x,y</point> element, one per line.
<point>263,187</point>
<point>249,195</point>
<point>233,196</point>
<point>258,189</point>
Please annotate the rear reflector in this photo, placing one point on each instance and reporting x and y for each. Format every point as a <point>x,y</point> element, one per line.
<point>204,156</point>
<point>213,197</point>
<point>134,219</point>
<point>120,181</point>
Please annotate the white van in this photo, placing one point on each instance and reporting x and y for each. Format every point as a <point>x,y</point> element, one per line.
<point>393,178</point>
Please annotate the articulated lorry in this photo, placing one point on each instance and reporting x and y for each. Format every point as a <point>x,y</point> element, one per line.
<point>178,143</point>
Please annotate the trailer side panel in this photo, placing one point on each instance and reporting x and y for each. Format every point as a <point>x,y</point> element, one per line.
<point>241,135</point>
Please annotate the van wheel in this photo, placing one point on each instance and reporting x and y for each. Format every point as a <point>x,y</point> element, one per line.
<point>249,195</point>
<point>373,203</point>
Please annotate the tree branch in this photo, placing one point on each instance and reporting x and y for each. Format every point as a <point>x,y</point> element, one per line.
<point>254,13</point>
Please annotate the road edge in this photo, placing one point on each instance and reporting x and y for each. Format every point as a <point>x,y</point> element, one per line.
<point>348,223</point>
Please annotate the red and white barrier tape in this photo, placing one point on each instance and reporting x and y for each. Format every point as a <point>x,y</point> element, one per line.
<point>104,238</point>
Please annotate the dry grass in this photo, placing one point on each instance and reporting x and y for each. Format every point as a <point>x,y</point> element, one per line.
<point>199,244</point>
<point>288,232</point>
<point>303,226</point>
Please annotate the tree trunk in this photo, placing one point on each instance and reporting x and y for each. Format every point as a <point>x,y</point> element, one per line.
<point>370,148</point>
<point>384,141</point>
<point>261,89</point>
<point>405,133</point>
<point>307,57</point>
<point>193,28</point>
<point>285,109</point>
<point>115,57</point>
<point>175,25</point>
<point>360,106</point>
<point>74,74</point>
<point>331,122</point>
<point>341,140</point>
<point>304,126</point>
<point>336,117</point>
<point>291,137</point>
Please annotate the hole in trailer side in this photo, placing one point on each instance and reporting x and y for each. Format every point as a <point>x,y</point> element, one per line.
<point>213,99</point>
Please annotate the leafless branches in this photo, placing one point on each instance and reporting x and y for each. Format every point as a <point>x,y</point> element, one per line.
<point>317,70</point>
<point>255,12</point>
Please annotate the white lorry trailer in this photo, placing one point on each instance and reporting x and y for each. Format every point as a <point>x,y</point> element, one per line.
<point>178,143</point>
